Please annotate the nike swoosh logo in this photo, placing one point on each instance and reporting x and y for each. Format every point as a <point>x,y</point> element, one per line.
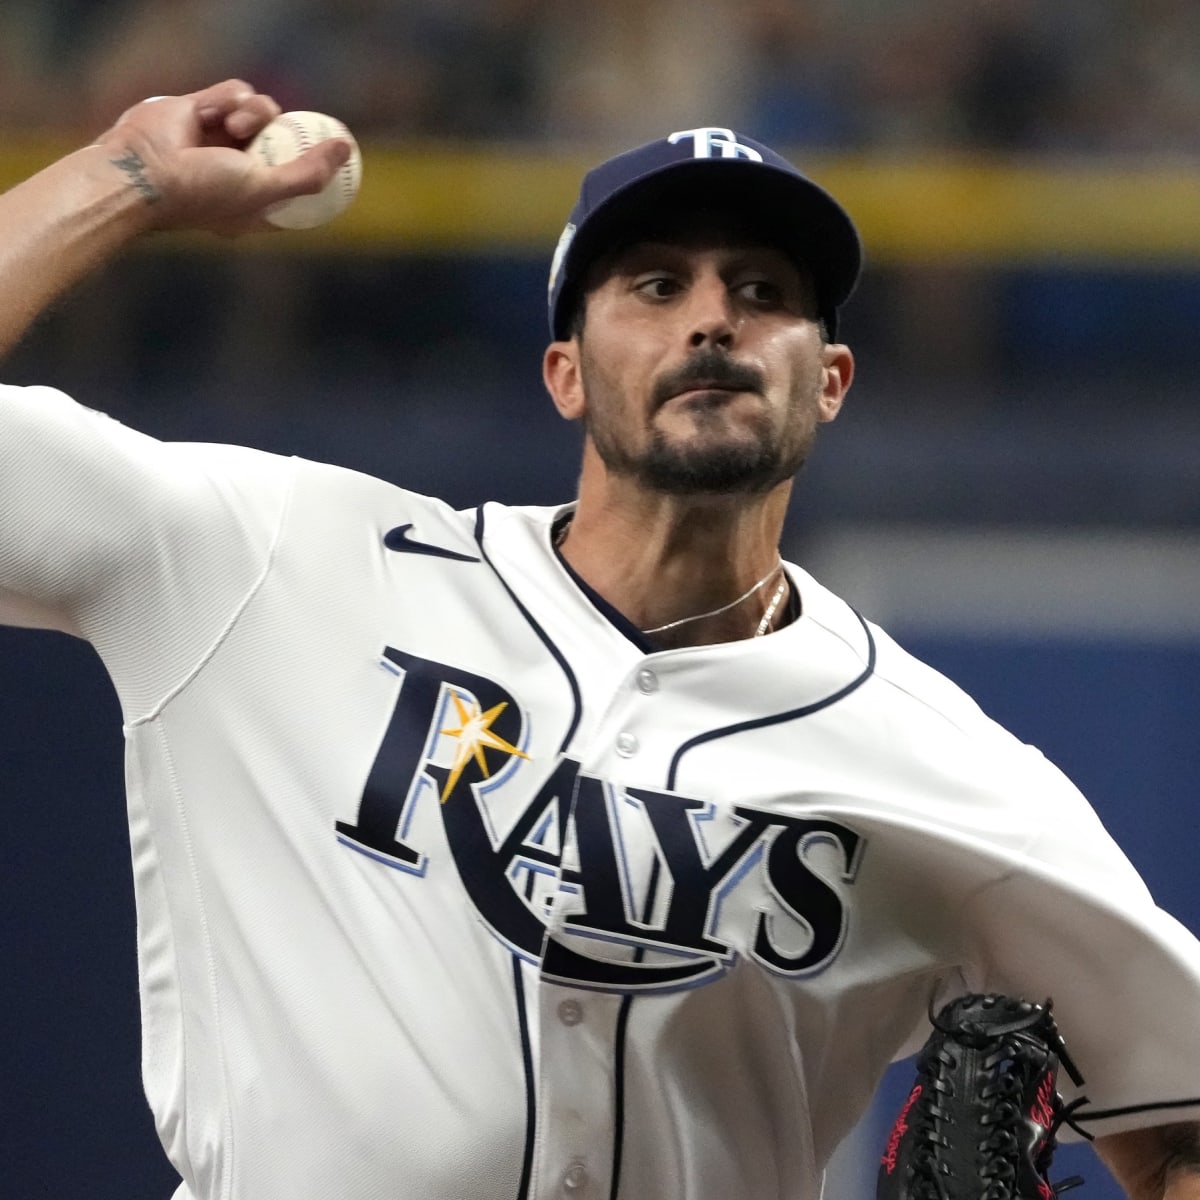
<point>398,539</point>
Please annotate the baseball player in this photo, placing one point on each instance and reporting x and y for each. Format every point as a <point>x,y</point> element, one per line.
<point>589,851</point>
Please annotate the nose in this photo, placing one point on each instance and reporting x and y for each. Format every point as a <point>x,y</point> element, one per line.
<point>711,316</point>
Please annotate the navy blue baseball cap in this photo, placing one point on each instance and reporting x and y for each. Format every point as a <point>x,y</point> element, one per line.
<point>708,168</point>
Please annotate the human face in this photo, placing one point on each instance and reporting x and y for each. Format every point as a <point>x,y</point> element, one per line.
<point>702,365</point>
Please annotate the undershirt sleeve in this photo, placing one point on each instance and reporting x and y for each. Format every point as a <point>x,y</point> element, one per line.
<point>146,549</point>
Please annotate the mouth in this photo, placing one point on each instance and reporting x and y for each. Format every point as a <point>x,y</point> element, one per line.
<point>709,379</point>
<point>706,392</point>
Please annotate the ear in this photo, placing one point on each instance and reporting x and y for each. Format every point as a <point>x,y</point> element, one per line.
<point>837,375</point>
<point>564,382</point>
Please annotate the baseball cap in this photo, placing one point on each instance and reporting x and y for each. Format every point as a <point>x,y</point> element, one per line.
<point>710,167</point>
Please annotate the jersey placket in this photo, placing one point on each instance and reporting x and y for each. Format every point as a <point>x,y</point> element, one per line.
<point>578,1135</point>
<point>580,1040</point>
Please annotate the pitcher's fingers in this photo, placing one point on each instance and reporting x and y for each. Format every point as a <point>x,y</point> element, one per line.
<point>308,173</point>
<point>235,109</point>
<point>216,102</point>
<point>245,121</point>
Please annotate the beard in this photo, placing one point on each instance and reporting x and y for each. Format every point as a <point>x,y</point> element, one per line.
<point>750,466</point>
<point>755,461</point>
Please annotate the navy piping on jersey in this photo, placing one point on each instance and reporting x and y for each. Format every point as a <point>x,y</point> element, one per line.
<point>530,1089</point>
<point>1104,1113</point>
<point>518,982</point>
<point>559,657</point>
<point>617,619</point>
<point>778,718</point>
<point>518,979</point>
<point>622,1031</point>
<point>619,1095</point>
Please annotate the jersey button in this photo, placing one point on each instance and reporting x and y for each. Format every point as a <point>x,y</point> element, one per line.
<point>570,1012</point>
<point>575,1177</point>
<point>627,745</point>
<point>647,682</point>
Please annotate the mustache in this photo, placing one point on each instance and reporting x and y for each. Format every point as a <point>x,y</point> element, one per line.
<point>707,368</point>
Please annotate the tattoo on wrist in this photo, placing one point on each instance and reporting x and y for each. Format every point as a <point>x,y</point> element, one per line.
<point>135,168</point>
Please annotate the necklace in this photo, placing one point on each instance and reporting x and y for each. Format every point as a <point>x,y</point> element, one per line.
<point>716,612</point>
<point>560,536</point>
<point>765,623</point>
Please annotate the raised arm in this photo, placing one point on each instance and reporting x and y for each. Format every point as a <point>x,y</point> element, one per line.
<point>175,162</point>
<point>1161,1163</point>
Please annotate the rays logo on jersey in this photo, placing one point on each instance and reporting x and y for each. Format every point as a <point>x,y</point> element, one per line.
<point>606,886</point>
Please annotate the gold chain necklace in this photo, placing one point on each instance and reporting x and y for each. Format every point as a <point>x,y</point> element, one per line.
<point>560,536</point>
<point>765,623</point>
<point>716,612</point>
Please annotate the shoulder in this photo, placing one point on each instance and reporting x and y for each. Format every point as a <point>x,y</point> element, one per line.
<point>44,420</point>
<point>518,526</point>
<point>342,503</point>
<point>913,705</point>
<point>955,771</point>
<point>915,682</point>
<point>905,677</point>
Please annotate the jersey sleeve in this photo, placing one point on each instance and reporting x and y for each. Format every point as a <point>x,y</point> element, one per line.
<point>147,549</point>
<point>1074,921</point>
<point>1042,902</point>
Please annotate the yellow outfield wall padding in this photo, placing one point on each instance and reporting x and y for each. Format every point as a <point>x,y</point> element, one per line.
<point>946,209</point>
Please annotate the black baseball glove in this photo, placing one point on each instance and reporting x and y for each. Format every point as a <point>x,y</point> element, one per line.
<point>981,1120</point>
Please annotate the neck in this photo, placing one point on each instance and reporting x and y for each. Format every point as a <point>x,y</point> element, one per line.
<point>663,560</point>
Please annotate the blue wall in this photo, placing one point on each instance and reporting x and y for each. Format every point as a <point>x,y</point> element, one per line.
<point>74,1121</point>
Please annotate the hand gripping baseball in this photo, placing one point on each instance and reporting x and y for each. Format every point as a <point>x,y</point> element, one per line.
<point>185,156</point>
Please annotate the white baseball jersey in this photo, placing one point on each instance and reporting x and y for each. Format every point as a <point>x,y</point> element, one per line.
<point>446,888</point>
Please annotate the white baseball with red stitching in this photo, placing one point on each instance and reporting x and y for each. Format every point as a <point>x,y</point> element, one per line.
<point>287,137</point>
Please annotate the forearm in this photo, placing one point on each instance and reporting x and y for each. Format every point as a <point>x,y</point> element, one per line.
<point>1161,1163</point>
<point>172,163</point>
<point>61,224</point>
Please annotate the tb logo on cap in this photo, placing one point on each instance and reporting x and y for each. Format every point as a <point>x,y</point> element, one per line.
<point>711,141</point>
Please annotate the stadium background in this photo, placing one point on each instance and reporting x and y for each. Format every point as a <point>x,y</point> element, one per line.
<point>1013,489</point>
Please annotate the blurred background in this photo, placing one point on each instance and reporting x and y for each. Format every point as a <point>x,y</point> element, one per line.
<point>1013,489</point>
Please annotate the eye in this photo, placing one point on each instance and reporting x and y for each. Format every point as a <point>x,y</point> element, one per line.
<point>764,292</point>
<point>657,287</point>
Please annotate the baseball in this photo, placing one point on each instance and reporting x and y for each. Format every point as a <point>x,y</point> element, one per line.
<point>287,137</point>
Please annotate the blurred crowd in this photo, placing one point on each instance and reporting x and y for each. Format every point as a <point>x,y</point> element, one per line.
<point>987,391</point>
<point>1106,76</point>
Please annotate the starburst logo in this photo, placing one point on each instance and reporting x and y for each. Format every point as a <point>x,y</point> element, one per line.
<point>473,737</point>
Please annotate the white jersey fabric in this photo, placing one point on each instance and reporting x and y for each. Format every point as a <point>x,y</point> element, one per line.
<point>446,889</point>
